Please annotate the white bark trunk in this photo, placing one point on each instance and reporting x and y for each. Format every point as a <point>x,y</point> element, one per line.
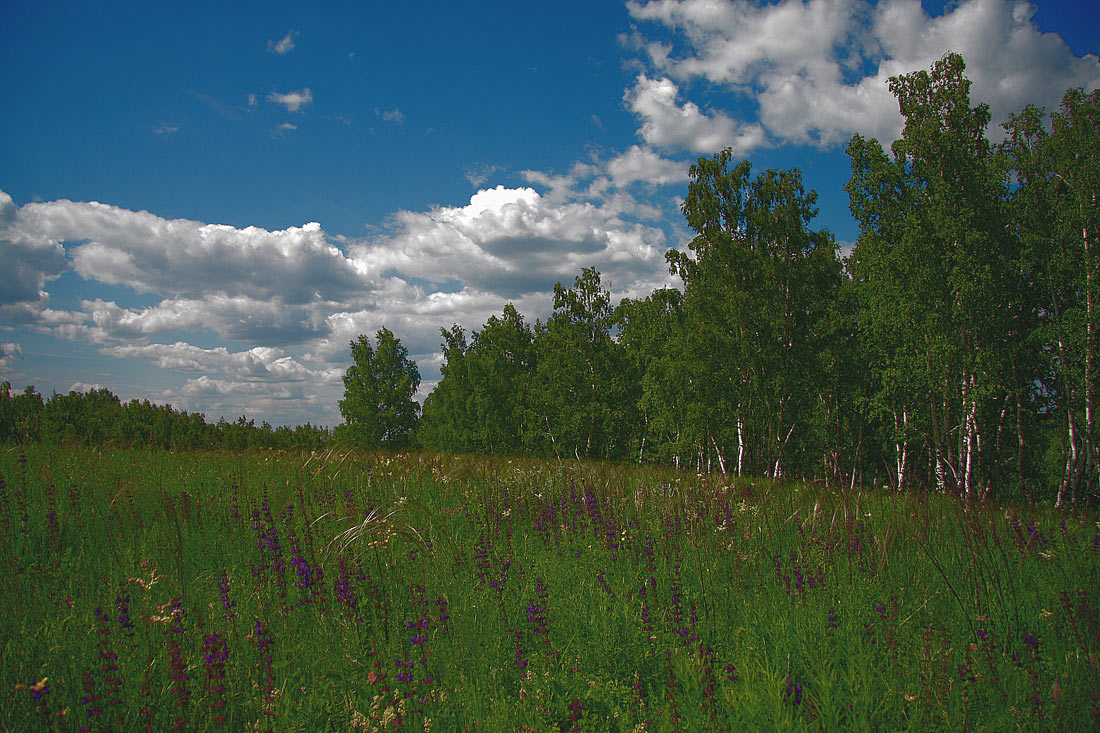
<point>740,445</point>
<point>718,452</point>
<point>901,450</point>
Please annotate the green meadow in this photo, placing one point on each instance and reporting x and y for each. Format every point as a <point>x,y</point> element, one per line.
<point>150,590</point>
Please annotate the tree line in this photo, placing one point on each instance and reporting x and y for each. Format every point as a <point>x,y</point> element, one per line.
<point>97,417</point>
<point>954,349</point>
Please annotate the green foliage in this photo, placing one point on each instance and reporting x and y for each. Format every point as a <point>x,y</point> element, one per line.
<point>580,406</point>
<point>480,404</point>
<point>99,418</point>
<point>756,297</point>
<point>1056,213</point>
<point>378,405</point>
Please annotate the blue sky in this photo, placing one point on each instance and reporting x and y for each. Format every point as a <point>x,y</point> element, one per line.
<point>203,204</point>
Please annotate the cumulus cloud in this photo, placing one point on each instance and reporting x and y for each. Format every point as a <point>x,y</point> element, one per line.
<point>258,363</point>
<point>278,403</point>
<point>510,241</point>
<point>643,164</point>
<point>184,258</point>
<point>293,101</point>
<point>283,46</point>
<point>240,318</point>
<point>9,352</point>
<point>30,257</point>
<point>817,70</point>
<point>666,123</point>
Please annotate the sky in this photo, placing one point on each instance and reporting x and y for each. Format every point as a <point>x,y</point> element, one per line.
<point>202,204</point>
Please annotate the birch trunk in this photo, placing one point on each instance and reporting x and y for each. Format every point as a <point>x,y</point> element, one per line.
<point>718,452</point>
<point>901,450</point>
<point>740,445</point>
<point>1090,352</point>
<point>970,424</point>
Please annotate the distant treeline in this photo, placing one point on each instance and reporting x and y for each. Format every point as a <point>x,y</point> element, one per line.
<point>955,349</point>
<point>97,417</point>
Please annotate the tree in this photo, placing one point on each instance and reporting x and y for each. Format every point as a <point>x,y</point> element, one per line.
<point>1056,209</point>
<point>756,294</point>
<point>581,406</point>
<point>648,331</point>
<point>378,405</point>
<point>480,404</point>
<point>936,272</point>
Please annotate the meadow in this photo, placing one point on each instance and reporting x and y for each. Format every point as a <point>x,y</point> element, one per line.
<point>150,590</point>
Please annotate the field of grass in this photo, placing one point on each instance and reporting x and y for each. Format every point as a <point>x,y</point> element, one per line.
<point>153,591</point>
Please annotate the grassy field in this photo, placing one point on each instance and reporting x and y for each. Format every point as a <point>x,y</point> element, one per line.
<point>157,591</point>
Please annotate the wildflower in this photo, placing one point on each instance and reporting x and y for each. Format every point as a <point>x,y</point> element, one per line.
<point>223,590</point>
<point>177,667</point>
<point>575,708</point>
<point>215,656</point>
<point>40,688</point>
<point>537,612</point>
<point>109,660</point>
<point>345,594</point>
<point>122,604</point>
<point>90,698</point>
<point>40,692</point>
<point>793,694</point>
<point>444,616</point>
<point>263,639</point>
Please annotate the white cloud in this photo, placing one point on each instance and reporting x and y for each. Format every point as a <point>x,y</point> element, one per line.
<point>817,70</point>
<point>240,318</point>
<point>293,101</point>
<point>31,259</point>
<point>284,46</point>
<point>668,124</point>
<point>510,241</point>
<point>278,403</point>
<point>477,175</point>
<point>165,129</point>
<point>258,363</point>
<point>9,352</point>
<point>390,115</point>
<point>643,164</point>
<point>185,258</point>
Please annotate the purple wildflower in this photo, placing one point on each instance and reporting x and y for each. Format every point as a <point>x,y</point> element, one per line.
<point>793,694</point>
<point>262,637</point>
<point>215,656</point>
<point>223,591</point>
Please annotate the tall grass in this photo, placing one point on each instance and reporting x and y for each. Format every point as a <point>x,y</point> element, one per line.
<point>152,591</point>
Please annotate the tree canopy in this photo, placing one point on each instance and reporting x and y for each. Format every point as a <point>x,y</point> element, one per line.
<point>378,405</point>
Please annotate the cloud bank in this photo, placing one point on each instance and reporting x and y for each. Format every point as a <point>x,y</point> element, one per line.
<point>814,73</point>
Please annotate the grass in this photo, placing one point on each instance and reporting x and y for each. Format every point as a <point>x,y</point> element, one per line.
<point>147,590</point>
